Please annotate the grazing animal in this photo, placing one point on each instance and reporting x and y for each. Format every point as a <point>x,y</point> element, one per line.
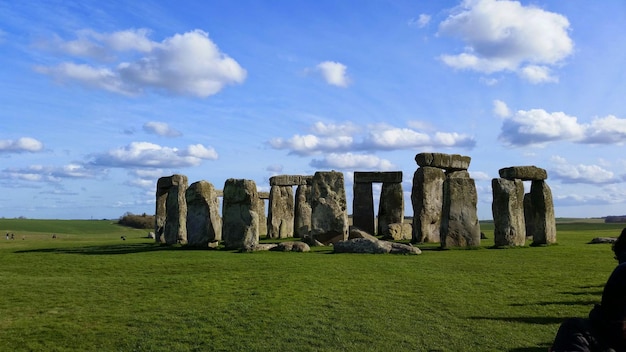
<point>123,238</point>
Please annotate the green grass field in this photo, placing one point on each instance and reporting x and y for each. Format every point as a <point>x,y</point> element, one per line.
<point>88,290</point>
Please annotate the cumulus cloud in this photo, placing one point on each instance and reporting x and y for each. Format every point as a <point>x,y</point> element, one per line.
<point>149,155</point>
<point>311,144</point>
<point>501,109</point>
<point>503,35</point>
<point>579,173</point>
<point>538,127</point>
<point>334,73</point>
<point>42,173</point>
<point>350,161</point>
<point>332,129</point>
<point>341,138</point>
<point>161,129</point>
<point>184,64</point>
<point>402,138</point>
<point>20,145</point>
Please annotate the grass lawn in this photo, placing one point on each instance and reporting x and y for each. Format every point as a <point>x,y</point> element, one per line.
<point>88,290</point>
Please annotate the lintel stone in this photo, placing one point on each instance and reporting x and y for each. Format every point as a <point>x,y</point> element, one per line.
<point>448,162</point>
<point>290,180</point>
<point>377,176</point>
<point>264,195</point>
<point>524,173</point>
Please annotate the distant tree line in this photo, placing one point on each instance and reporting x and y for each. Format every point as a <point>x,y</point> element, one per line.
<point>615,218</point>
<point>143,221</point>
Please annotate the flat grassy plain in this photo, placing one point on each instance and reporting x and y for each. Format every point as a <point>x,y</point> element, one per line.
<point>87,290</point>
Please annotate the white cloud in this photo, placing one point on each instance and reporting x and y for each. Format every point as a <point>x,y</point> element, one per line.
<point>334,73</point>
<point>606,130</point>
<point>503,35</point>
<point>201,152</point>
<point>421,21</point>
<point>332,129</point>
<point>41,173</point>
<point>185,64</point>
<point>401,138</point>
<point>537,74</point>
<point>149,155</point>
<point>161,129</point>
<point>349,161</point>
<point>341,138</point>
<point>569,173</point>
<point>311,144</point>
<point>537,127</point>
<point>501,109</point>
<point>20,145</point>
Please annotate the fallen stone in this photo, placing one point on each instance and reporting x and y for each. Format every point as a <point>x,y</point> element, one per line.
<point>356,232</point>
<point>373,246</point>
<point>597,240</point>
<point>524,173</point>
<point>293,246</point>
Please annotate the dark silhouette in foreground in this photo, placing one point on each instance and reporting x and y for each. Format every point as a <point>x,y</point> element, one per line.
<point>605,328</point>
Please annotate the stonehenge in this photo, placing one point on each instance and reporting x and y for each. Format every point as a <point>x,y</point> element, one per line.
<point>517,215</point>
<point>443,197</point>
<point>283,220</point>
<point>391,204</point>
<point>171,210</point>
<point>444,201</point>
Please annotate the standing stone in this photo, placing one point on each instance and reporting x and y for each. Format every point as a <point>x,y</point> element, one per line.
<point>459,218</point>
<point>240,229</point>
<point>204,223</point>
<point>508,212</point>
<point>261,212</point>
<point>427,200</point>
<point>390,207</point>
<point>171,210</point>
<point>302,216</point>
<point>280,218</point>
<point>540,214</point>
<point>363,206</point>
<point>329,216</point>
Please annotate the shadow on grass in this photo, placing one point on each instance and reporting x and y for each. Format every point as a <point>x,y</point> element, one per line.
<point>109,249</point>
<point>590,302</point>
<point>526,320</point>
<point>530,349</point>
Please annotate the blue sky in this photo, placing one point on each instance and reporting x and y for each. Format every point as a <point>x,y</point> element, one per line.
<point>100,99</point>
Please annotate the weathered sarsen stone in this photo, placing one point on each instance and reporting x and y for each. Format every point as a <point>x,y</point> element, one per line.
<point>329,216</point>
<point>240,229</point>
<point>427,199</point>
<point>204,223</point>
<point>280,218</point>
<point>508,212</point>
<point>524,173</point>
<point>171,210</point>
<point>459,219</point>
<point>400,231</point>
<point>390,207</point>
<point>371,245</point>
<point>448,162</point>
<point>302,213</point>
<point>363,206</point>
<point>540,220</point>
